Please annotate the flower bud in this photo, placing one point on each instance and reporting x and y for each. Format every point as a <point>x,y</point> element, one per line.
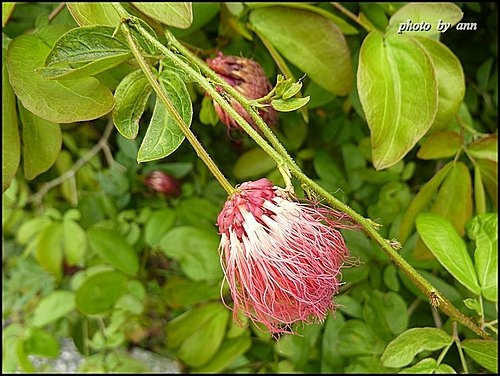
<point>161,182</point>
<point>248,77</point>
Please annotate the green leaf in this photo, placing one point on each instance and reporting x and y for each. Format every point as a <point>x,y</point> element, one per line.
<point>54,306</point>
<point>197,334</point>
<point>484,352</point>
<point>7,9</point>
<point>113,248</point>
<point>349,306</point>
<point>253,163</point>
<point>356,338</point>
<point>483,229</point>
<point>87,43</point>
<point>479,193</point>
<point>229,350</point>
<point>11,143</point>
<point>375,14</point>
<point>425,366</point>
<point>448,247</point>
<point>179,292</point>
<point>90,69</point>
<point>131,97</point>
<point>75,242</point>
<point>163,135</point>
<point>63,101</point>
<point>94,14</point>
<point>173,14</point>
<point>450,79</point>
<point>157,225</point>
<point>454,199</point>
<point>439,145</point>
<point>421,200</point>
<point>42,141</point>
<point>485,148</point>
<point>398,89</point>
<point>41,343</point>
<point>49,249</point>
<point>290,104</point>
<point>402,349</point>
<point>385,313</point>
<point>196,250</point>
<point>429,13</point>
<point>489,176</point>
<point>321,52</point>
<point>100,292</point>
<point>198,212</point>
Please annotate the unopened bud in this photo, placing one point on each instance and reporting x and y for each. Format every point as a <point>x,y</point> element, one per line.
<point>161,182</point>
<point>248,77</point>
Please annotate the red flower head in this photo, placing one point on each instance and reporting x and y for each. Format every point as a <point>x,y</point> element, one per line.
<point>281,258</point>
<point>248,77</point>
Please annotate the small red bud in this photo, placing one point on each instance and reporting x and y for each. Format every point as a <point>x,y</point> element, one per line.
<point>161,182</point>
<point>248,77</point>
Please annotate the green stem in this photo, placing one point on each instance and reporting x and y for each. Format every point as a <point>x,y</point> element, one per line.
<point>200,151</point>
<point>281,157</point>
<point>366,224</point>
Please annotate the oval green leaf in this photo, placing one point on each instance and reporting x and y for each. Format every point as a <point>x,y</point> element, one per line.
<point>180,292</point>
<point>485,148</point>
<point>197,334</point>
<point>49,249</point>
<point>64,101</point>
<point>196,250</point>
<point>253,163</point>
<point>402,349</point>
<point>173,14</point>
<point>385,313</point>
<point>163,135</point>
<point>131,97</point>
<point>91,69</point>
<point>87,43</point>
<point>94,14</point>
<point>113,248</point>
<point>483,229</point>
<point>11,142</point>
<point>229,350</point>
<point>428,13</point>
<point>356,338</point>
<point>454,199</point>
<point>320,51</point>
<point>290,104</point>
<point>449,248</point>
<point>484,352</point>
<point>439,145</point>
<point>450,78</point>
<point>41,342</point>
<point>54,306</point>
<point>42,141</point>
<point>75,242</point>
<point>100,292</point>
<point>157,225</point>
<point>397,88</point>
<point>489,176</point>
<point>421,200</point>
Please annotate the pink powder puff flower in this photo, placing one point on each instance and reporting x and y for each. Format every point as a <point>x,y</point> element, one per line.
<point>248,77</point>
<point>281,258</point>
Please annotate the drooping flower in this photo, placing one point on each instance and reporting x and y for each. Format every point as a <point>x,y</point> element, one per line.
<point>248,77</point>
<point>281,258</point>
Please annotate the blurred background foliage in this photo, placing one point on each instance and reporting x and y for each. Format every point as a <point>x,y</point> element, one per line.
<point>113,264</point>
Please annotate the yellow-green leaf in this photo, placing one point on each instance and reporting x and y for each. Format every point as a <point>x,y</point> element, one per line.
<point>454,199</point>
<point>398,92</point>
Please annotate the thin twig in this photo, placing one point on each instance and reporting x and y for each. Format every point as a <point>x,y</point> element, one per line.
<point>56,11</point>
<point>101,145</point>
